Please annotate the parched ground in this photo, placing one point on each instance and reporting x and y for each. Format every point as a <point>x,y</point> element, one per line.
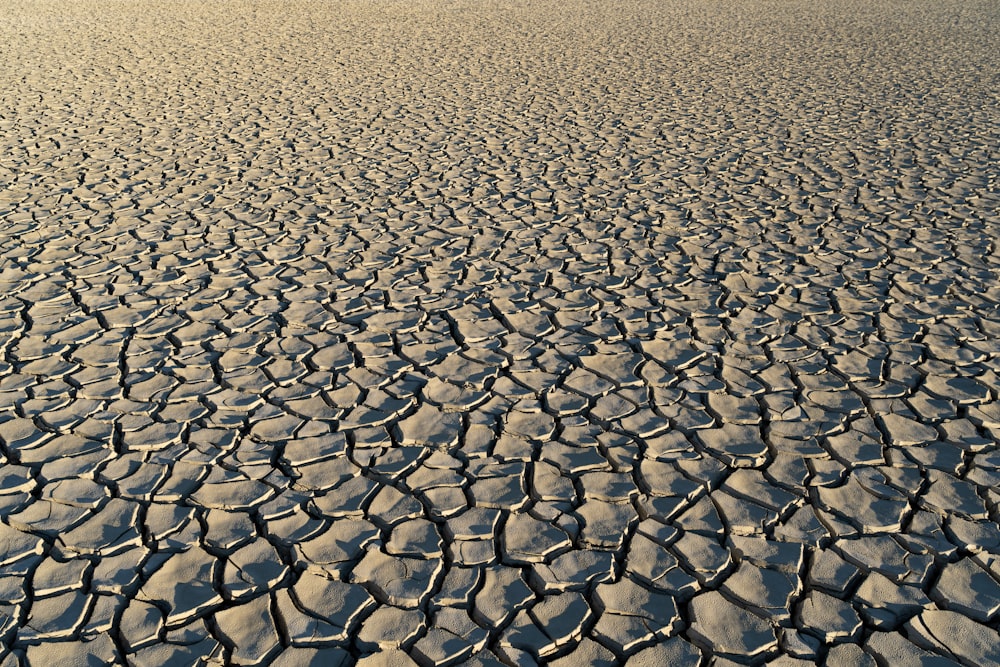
<point>459,332</point>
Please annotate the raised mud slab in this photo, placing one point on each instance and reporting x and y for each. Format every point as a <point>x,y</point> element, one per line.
<point>569,333</point>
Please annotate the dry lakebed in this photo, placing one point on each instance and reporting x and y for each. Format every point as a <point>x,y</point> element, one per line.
<point>499,332</point>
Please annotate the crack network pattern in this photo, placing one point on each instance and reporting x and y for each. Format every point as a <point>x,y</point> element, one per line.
<point>521,333</point>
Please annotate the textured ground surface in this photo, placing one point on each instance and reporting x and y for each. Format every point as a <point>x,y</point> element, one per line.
<point>480,333</point>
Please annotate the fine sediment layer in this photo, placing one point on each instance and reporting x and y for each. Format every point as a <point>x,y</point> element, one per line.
<point>459,332</point>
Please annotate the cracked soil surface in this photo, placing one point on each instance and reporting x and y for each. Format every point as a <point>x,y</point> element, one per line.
<point>481,332</point>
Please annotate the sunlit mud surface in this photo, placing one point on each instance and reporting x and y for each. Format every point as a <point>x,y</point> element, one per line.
<point>437,333</point>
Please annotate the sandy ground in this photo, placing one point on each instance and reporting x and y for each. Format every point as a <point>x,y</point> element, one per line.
<point>569,333</point>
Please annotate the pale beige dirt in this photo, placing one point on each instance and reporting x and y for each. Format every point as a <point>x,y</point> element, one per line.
<point>437,333</point>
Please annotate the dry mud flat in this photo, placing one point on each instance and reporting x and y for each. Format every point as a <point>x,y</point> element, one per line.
<point>660,333</point>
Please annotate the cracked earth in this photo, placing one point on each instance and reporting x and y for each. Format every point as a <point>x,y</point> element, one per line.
<point>499,333</point>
